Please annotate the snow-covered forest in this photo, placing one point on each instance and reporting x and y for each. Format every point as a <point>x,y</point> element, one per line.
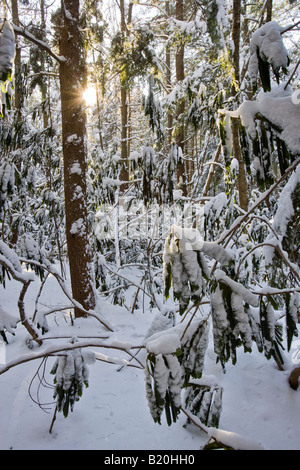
<point>150,224</point>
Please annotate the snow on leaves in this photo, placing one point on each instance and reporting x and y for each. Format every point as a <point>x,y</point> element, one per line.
<point>267,48</point>
<point>7,48</point>
<point>71,375</point>
<point>193,344</point>
<point>183,267</point>
<point>7,181</point>
<point>163,386</point>
<point>270,121</point>
<point>232,328</point>
<point>205,402</point>
<point>174,355</point>
<point>278,109</point>
<point>239,316</point>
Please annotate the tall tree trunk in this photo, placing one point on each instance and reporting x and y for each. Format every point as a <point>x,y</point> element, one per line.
<point>74,152</point>
<point>46,122</point>
<point>179,60</point>
<point>242,180</point>
<point>124,174</point>
<point>44,83</point>
<point>168,80</point>
<point>269,10</point>
<point>18,96</point>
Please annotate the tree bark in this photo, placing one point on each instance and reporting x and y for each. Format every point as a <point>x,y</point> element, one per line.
<point>169,81</point>
<point>242,180</point>
<point>18,95</point>
<point>124,174</point>
<point>269,10</point>
<point>44,84</point>
<point>180,74</point>
<point>71,74</point>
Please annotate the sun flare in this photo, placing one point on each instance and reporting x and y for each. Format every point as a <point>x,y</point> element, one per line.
<point>90,96</point>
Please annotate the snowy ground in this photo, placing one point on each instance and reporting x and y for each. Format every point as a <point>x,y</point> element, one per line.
<point>113,413</point>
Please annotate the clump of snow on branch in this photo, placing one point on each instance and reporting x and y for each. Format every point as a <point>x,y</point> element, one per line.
<point>267,44</point>
<point>7,47</point>
<point>277,107</point>
<point>10,256</point>
<point>173,356</point>
<point>285,209</point>
<point>182,265</point>
<point>71,375</point>
<point>232,321</point>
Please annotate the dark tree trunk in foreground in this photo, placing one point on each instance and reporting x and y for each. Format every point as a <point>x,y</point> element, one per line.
<point>74,152</point>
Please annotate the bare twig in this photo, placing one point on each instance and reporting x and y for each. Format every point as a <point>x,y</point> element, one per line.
<point>53,420</point>
<point>288,28</point>
<point>292,74</point>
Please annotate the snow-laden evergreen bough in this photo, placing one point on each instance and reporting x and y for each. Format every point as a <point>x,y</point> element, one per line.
<point>267,50</point>
<point>178,353</point>
<point>270,121</point>
<point>71,376</point>
<point>194,271</point>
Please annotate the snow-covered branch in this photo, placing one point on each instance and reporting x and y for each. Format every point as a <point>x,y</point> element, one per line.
<point>279,250</point>
<point>289,27</point>
<point>225,439</point>
<point>10,262</point>
<point>55,350</point>
<point>41,44</point>
<point>65,290</point>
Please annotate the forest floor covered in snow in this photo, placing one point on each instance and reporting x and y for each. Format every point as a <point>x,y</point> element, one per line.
<point>113,413</point>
